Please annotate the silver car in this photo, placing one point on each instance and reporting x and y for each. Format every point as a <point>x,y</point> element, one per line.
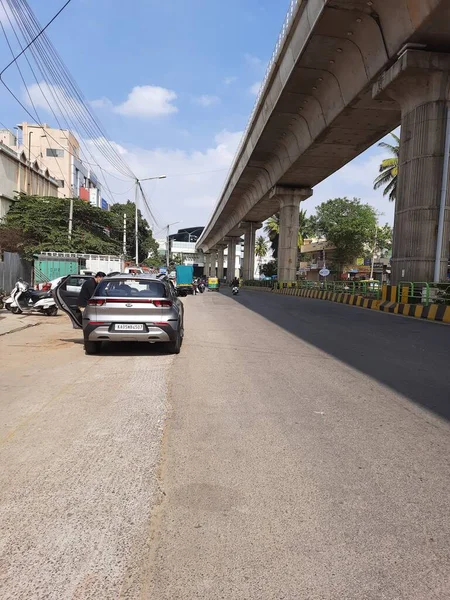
<point>125,308</point>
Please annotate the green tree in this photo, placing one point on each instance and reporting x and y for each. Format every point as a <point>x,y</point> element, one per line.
<point>270,269</point>
<point>383,244</point>
<point>389,170</point>
<point>40,224</point>
<point>261,249</point>
<point>147,243</point>
<point>348,225</point>
<point>272,229</point>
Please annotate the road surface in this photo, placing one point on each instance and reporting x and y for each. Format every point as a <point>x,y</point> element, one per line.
<point>296,449</point>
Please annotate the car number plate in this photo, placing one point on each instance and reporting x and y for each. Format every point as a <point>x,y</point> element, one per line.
<point>128,327</point>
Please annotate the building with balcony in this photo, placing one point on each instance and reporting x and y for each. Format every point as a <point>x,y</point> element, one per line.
<point>57,150</point>
<point>19,175</point>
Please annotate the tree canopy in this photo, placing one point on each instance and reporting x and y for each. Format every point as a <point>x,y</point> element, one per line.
<point>272,229</point>
<point>40,224</point>
<point>147,243</point>
<point>349,225</point>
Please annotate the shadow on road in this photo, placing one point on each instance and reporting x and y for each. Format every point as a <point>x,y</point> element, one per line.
<point>410,356</point>
<point>124,348</point>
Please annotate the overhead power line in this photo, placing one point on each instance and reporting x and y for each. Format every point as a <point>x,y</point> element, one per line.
<point>35,38</point>
<point>65,95</point>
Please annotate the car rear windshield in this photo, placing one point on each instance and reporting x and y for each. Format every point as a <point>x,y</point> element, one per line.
<point>131,288</point>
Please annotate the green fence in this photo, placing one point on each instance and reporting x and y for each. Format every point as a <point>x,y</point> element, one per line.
<point>422,292</point>
<point>368,289</point>
<point>406,292</point>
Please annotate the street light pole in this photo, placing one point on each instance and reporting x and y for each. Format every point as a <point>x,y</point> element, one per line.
<point>136,224</point>
<point>168,242</point>
<point>373,252</point>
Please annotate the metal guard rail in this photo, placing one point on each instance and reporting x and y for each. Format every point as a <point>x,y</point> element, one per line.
<point>406,292</point>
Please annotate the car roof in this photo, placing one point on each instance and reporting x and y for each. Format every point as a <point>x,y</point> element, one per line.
<point>145,276</point>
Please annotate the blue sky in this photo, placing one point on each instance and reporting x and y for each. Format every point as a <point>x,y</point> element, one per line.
<point>174,83</point>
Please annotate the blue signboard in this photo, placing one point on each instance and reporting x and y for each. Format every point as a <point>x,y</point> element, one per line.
<point>104,204</point>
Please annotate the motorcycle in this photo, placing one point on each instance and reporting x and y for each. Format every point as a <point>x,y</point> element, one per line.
<point>24,299</point>
<point>201,288</point>
<point>235,290</point>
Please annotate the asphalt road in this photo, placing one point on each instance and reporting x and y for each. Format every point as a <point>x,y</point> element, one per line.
<point>306,455</point>
<point>80,440</point>
<point>296,449</point>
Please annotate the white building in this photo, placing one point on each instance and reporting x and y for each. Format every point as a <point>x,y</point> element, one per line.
<point>58,150</point>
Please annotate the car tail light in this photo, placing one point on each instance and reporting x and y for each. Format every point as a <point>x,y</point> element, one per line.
<point>46,287</point>
<point>96,302</point>
<point>163,303</point>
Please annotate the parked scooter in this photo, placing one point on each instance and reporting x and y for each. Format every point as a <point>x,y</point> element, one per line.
<point>24,299</point>
<point>201,287</point>
<point>235,290</point>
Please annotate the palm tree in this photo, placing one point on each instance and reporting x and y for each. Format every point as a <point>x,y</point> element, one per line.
<point>272,229</point>
<point>389,170</point>
<point>261,249</point>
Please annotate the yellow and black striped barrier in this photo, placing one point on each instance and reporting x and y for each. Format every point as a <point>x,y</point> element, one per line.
<point>388,302</point>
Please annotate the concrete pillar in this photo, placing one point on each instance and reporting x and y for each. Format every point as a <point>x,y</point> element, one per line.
<point>420,82</point>
<point>213,262</point>
<point>289,199</point>
<point>250,228</point>
<point>220,260</point>
<point>207,263</point>
<point>231,261</point>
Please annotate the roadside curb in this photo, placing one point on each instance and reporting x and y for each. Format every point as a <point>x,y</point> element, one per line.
<point>434,312</point>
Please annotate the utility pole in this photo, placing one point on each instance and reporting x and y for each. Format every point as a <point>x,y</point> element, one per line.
<point>124,247</point>
<point>138,183</point>
<point>168,248</point>
<point>136,228</point>
<point>70,219</point>
<point>373,252</point>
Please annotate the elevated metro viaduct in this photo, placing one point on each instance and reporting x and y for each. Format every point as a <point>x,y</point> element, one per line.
<point>344,74</point>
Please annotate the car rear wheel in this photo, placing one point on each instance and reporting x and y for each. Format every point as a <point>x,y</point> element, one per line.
<point>175,346</point>
<point>92,347</point>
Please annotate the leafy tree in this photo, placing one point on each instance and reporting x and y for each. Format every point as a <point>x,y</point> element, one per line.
<point>383,244</point>
<point>176,259</point>
<point>389,170</point>
<point>40,224</point>
<point>348,225</point>
<point>146,241</point>
<point>154,261</point>
<point>270,269</point>
<point>272,229</point>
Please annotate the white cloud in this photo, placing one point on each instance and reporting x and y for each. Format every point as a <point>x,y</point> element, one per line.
<point>102,103</point>
<point>254,89</point>
<point>50,98</point>
<point>4,14</point>
<point>229,80</point>
<point>194,179</point>
<point>253,61</point>
<point>148,101</point>
<point>206,100</point>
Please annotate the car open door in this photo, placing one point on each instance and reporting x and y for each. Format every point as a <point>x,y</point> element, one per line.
<point>66,297</point>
